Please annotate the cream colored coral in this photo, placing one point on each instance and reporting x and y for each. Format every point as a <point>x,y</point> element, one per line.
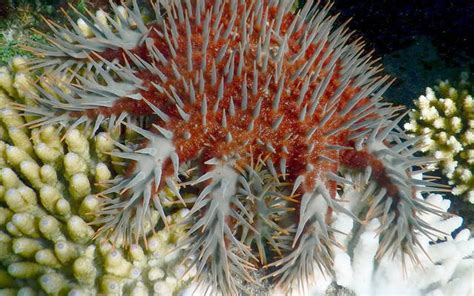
<point>48,181</point>
<point>445,119</point>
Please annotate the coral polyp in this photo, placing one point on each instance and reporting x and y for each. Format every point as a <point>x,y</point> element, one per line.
<point>444,117</point>
<point>251,115</point>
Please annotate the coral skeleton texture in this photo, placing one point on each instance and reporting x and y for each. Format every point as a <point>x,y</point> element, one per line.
<point>245,115</point>
<point>447,270</point>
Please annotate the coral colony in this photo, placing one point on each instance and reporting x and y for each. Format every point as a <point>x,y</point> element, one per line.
<point>252,116</point>
<point>45,207</point>
<point>444,117</point>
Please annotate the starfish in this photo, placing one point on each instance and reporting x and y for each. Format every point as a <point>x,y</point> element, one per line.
<point>258,110</point>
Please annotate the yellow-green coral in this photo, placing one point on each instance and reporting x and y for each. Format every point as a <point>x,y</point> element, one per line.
<point>48,178</point>
<point>445,118</point>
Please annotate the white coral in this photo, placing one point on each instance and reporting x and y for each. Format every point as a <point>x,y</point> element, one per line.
<point>449,273</point>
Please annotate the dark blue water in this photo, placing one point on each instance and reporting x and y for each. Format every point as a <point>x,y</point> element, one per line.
<point>420,41</point>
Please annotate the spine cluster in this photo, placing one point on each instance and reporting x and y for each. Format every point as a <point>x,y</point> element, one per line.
<point>244,113</point>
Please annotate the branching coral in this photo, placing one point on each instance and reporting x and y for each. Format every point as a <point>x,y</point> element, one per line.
<point>446,270</point>
<point>47,178</point>
<point>250,115</point>
<point>445,119</point>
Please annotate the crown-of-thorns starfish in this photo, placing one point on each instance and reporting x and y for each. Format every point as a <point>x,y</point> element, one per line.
<point>267,106</point>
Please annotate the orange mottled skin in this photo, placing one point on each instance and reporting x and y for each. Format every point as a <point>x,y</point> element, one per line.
<point>210,139</point>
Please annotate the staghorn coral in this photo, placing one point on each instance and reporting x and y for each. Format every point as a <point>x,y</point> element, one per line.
<point>47,204</point>
<point>249,115</point>
<point>445,119</point>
